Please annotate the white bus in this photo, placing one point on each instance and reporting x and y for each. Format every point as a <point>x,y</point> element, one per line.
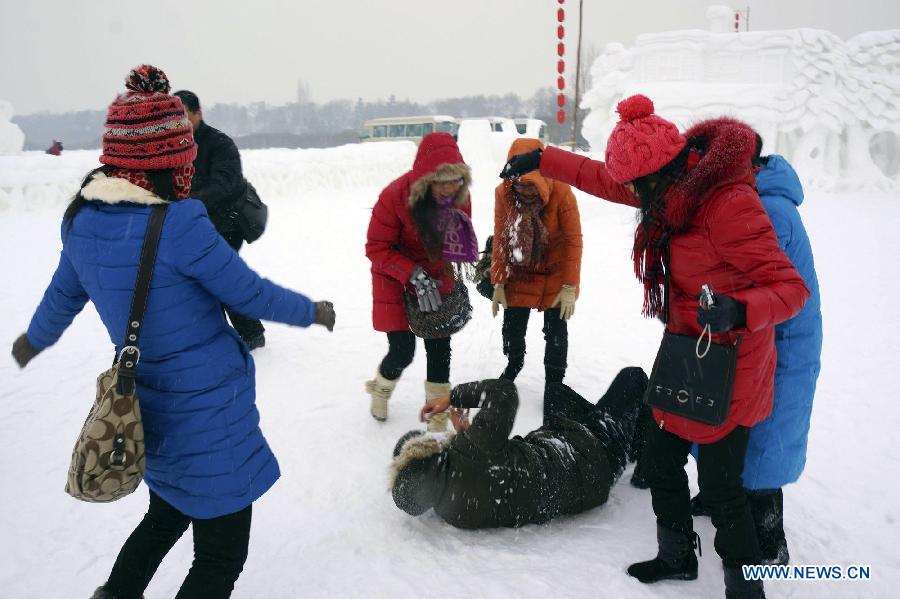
<point>412,128</point>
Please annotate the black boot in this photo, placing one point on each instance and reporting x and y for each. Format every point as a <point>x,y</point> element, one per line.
<point>736,587</point>
<point>697,507</point>
<point>767,508</point>
<point>675,560</point>
<point>102,593</point>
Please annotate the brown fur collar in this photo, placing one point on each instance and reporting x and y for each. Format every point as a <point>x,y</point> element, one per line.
<point>418,190</point>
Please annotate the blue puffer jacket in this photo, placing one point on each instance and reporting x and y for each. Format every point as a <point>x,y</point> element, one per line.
<point>776,453</point>
<point>205,453</point>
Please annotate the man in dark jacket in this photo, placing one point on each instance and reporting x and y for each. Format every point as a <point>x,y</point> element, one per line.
<point>219,183</point>
<point>480,478</point>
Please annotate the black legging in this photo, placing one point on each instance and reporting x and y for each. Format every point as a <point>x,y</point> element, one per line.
<point>402,348</point>
<point>556,349</point>
<point>220,550</point>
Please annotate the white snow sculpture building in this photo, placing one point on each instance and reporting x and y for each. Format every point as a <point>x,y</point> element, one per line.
<point>12,140</point>
<point>831,107</point>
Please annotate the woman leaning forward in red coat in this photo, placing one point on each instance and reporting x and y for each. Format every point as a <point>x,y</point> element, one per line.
<point>420,229</point>
<point>696,193</point>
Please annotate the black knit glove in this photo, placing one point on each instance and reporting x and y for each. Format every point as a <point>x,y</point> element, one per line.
<point>520,164</point>
<point>23,351</point>
<point>325,315</point>
<point>725,314</point>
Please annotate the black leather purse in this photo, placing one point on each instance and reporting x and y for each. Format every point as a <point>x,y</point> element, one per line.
<point>690,383</point>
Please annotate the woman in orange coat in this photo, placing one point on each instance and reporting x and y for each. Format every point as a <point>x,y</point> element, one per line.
<point>536,263</point>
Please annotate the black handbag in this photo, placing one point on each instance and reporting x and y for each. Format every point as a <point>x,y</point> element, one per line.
<point>251,214</point>
<point>690,383</point>
<point>455,312</point>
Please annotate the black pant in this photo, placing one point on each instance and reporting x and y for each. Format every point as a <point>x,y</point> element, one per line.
<point>556,336</point>
<point>612,419</point>
<point>220,550</point>
<point>720,466</point>
<point>247,328</point>
<point>402,348</point>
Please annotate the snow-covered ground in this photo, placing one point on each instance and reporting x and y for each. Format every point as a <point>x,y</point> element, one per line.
<point>329,527</point>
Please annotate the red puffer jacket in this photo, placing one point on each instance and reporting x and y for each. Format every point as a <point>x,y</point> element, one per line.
<point>729,243</point>
<point>393,243</point>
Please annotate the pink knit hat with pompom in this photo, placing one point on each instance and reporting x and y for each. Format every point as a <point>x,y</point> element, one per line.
<point>642,143</point>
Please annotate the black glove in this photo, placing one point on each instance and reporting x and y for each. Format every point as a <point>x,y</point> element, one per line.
<point>23,351</point>
<point>725,314</point>
<point>520,164</point>
<point>426,291</point>
<point>325,315</point>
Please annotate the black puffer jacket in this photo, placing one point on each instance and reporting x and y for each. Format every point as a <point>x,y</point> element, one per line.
<point>482,478</point>
<point>218,180</point>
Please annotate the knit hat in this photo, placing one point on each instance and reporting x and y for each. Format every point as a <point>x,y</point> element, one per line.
<point>146,128</point>
<point>642,143</point>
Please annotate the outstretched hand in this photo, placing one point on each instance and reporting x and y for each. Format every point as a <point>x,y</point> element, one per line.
<point>325,315</point>
<point>23,351</point>
<point>434,406</point>
<point>521,164</point>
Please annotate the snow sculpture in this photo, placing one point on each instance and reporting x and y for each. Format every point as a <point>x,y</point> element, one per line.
<point>12,140</point>
<point>831,107</point>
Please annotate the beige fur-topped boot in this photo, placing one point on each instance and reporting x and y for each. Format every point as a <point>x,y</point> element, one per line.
<point>380,389</point>
<point>438,422</point>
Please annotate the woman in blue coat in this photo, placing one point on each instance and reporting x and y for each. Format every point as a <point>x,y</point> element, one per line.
<point>206,458</point>
<point>776,452</point>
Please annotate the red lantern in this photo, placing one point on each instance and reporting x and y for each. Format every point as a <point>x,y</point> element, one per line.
<point>561,1</point>
<point>561,100</point>
<point>561,66</point>
<point>561,15</point>
<point>560,83</point>
<point>561,117</point>
<point>561,49</point>
<point>560,32</point>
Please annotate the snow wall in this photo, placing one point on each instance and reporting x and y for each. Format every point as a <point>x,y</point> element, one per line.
<point>832,107</point>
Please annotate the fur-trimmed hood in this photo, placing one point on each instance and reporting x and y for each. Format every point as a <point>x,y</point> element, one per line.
<point>727,147</point>
<point>114,190</point>
<point>438,159</point>
<point>416,484</point>
<point>419,447</point>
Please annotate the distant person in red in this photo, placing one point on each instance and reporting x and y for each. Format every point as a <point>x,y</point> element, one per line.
<point>55,149</point>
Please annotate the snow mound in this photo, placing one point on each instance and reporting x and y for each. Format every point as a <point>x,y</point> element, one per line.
<point>12,140</point>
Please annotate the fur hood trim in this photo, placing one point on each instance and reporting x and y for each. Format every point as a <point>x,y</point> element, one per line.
<point>444,172</point>
<point>419,448</point>
<point>113,190</point>
<point>728,147</point>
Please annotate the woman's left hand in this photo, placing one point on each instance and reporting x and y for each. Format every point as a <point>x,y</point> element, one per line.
<point>725,314</point>
<point>434,406</point>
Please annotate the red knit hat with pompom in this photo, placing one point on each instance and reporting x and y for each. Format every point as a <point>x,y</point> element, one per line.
<point>642,143</point>
<point>146,128</point>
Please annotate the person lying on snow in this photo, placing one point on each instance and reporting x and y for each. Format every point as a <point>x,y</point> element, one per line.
<point>480,478</point>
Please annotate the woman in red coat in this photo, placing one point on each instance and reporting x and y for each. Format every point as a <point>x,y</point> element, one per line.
<point>420,229</point>
<point>696,193</point>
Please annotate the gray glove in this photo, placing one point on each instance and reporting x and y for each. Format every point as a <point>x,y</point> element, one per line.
<point>325,315</point>
<point>426,290</point>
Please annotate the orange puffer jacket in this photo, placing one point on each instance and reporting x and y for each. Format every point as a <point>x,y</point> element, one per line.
<point>537,287</point>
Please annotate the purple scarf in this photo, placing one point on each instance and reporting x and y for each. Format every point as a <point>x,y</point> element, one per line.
<point>460,243</point>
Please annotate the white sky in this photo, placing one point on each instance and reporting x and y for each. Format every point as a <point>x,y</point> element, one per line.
<point>73,54</point>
